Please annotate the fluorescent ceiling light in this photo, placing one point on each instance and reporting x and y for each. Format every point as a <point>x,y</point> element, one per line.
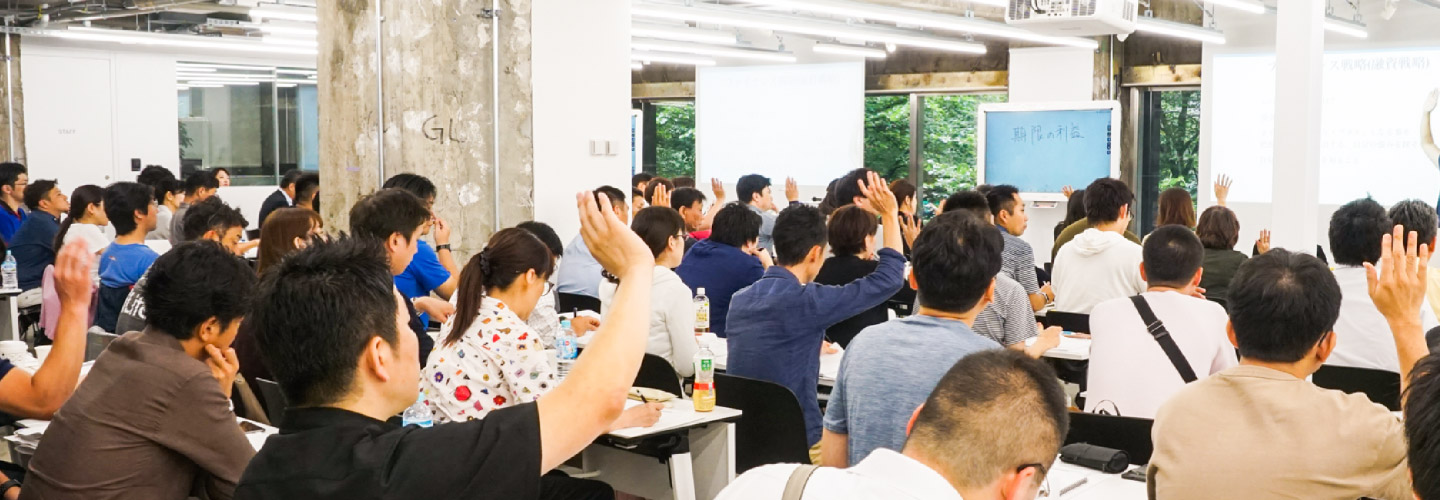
<point>912,17</point>
<point>163,40</point>
<point>849,50</point>
<point>291,80</point>
<point>232,76</point>
<point>1250,6</point>
<point>225,82</point>
<point>284,85</point>
<point>182,87</point>
<point>213,67</point>
<point>650,57</point>
<point>310,72</point>
<point>750,18</point>
<point>681,33</point>
<point>1346,27</point>
<point>194,69</point>
<point>710,50</point>
<point>1179,30</point>
<point>284,12</point>
<point>203,85</point>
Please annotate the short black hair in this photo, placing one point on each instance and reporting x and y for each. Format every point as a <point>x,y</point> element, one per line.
<point>1356,230</point>
<point>656,226</point>
<point>1422,427</point>
<point>955,259</point>
<point>546,234</point>
<point>686,198</point>
<point>290,177</point>
<point>736,225</point>
<point>1172,255</point>
<point>211,214</point>
<point>167,186</point>
<point>750,185</point>
<point>847,188</point>
<point>307,183</point>
<point>10,172</point>
<point>1282,304</point>
<point>848,227</point>
<point>1001,198</point>
<point>1418,216</point>
<point>640,177</point>
<point>153,175</point>
<point>203,179</point>
<point>387,212</point>
<point>654,184</point>
<point>193,282</point>
<point>617,197</point>
<point>122,200</point>
<point>316,311</point>
<point>797,230</point>
<point>684,181</point>
<point>969,201</point>
<point>1103,199</point>
<point>37,191</point>
<point>417,185</point>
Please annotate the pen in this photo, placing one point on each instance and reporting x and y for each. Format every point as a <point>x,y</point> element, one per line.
<point>643,400</point>
<point>1072,487</point>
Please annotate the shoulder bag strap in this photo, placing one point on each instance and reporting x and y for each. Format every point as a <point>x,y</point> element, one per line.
<point>1162,337</point>
<point>795,486</point>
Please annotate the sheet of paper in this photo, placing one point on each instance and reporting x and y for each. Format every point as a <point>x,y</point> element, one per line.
<point>677,414</point>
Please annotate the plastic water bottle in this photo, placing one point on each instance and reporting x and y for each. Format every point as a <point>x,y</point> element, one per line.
<point>704,394</point>
<point>418,413</point>
<point>567,348</point>
<point>8,270</point>
<point>702,312</point>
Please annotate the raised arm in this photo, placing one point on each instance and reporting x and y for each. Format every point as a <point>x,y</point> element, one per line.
<point>41,395</point>
<point>1398,290</point>
<point>880,201</point>
<point>1427,136</point>
<point>593,395</point>
<point>718,190</point>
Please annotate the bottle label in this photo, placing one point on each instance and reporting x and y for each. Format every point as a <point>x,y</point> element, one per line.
<point>707,365</point>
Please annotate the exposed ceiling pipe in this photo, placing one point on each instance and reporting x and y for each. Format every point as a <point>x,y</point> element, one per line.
<point>131,10</point>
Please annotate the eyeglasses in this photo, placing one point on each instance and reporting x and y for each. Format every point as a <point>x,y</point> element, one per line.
<point>549,287</point>
<point>1045,486</point>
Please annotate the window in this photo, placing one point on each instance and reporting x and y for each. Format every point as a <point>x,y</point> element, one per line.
<point>1170,147</point>
<point>675,139</point>
<point>948,151</point>
<point>887,135</point>
<point>257,122</point>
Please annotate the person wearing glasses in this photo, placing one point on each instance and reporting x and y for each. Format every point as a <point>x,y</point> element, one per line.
<point>672,320</point>
<point>13,180</point>
<point>990,430</point>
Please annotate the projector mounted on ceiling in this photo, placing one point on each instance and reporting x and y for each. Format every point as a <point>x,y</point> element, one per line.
<point>1074,17</point>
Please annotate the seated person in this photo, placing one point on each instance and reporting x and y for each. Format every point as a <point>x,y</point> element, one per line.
<point>1219,231</point>
<point>131,209</point>
<point>307,192</point>
<point>989,431</point>
<point>1130,373</point>
<point>199,186</point>
<point>209,220</point>
<point>347,363</point>
<point>1418,216</point>
<point>284,197</point>
<point>1422,428</point>
<point>851,233</point>
<point>14,177</point>
<point>294,229</point>
<point>169,193</point>
<point>1365,340</point>
<point>672,308</point>
<point>1101,263</point>
<point>33,245</point>
<point>433,270</point>
<point>153,418</point>
<point>775,327</point>
<point>1261,430</point>
<point>729,260</point>
<point>579,272</point>
<point>690,203</point>
<point>86,221</point>
<point>396,219</point>
<point>891,367</point>
<point>754,193</point>
<point>1008,211</point>
<point>545,319</point>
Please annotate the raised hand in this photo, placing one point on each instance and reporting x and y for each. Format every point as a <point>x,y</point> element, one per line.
<point>612,243</point>
<point>72,276</point>
<point>910,226</point>
<point>1431,100</point>
<point>1263,244</point>
<point>718,190</point>
<point>878,198</point>
<point>1398,286</point>
<point>1222,189</point>
<point>661,197</point>
<point>1067,191</point>
<point>792,190</point>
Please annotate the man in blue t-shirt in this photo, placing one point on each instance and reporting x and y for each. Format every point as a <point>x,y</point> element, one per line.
<point>14,178</point>
<point>33,245</point>
<point>131,208</point>
<point>432,269</point>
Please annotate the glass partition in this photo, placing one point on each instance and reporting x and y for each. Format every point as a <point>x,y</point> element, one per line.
<point>257,122</point>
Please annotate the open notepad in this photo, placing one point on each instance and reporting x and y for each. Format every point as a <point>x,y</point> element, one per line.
<point>677,414</point>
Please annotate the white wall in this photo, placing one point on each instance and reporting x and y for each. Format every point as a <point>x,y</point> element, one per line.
<point>581,63</point>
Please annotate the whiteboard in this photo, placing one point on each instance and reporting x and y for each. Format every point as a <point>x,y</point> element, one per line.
<point>1040,148</point>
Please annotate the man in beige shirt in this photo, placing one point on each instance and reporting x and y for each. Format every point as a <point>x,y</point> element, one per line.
<point>1260,430</point>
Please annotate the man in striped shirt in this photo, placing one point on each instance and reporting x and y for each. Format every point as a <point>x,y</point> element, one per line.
<point>1018,259</point>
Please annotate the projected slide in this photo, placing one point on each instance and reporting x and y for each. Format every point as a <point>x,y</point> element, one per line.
<point>1043,150</point>
<point>1370,125</point>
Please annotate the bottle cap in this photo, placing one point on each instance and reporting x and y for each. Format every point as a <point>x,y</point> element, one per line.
<point>700,291</point>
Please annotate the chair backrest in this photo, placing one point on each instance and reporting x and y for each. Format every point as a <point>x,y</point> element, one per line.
<point>1380,386</point>
<point>96,341</point>
<point>570,302</point>
<point>772,429</point>
<point>1122,433</point>
<point>274,400</point>
<point>1071,322</point>
<point>656,373</point>
<point>50,302</point>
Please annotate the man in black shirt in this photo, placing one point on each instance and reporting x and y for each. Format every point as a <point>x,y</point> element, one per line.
<point>332,328</point>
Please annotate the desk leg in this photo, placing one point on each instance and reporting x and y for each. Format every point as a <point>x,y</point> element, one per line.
<point>682,473</point>
<point>11,330</point>
<point>713,448</point>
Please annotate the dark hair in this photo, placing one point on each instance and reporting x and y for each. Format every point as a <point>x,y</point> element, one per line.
<point>165,187</point>
<point>655,183</point>
<point>1422,427</point>
<point>122,200</point>
<point>617,197</point>
<point>798,229</point>
<point>1356,230</point>
<point>10,173</point>
<point>736,225</point>
<point>36,192</point>
<point>1104,198</point>
<point>277,236</point>
<point>1075,207</point>
<point>656,225</point>
<point>217,170</point>
<point>848,227</point>
<point>316,311</point>
<point>750,185</point>
<point>290,177</point>
<point>956,257</point>
<point>968,201</point>
<point>387,212</point>
<point>1007,408</point>
<point>202,179</point>
<point>684,181</point>
<point>547,236</point>
<point>636,193</point>
<point>510,253</point>
<point>827,204</point>
<point>984,188</point>
<point>1172,255</point>
<point>80,200</point>
<point>640,177</point>
<point>153,175</point>
<point>903,189</point>
<point>847,188</point>
<point>1218,228</point>
<point>417,185</point>
<point>308,183</point>
<point>1282,304</point>
<point>208,215</point>
<point>1418,216</point>
<point>1001,198</point>
<point>686,198</point>
<point>1176,207</point>
<point>193,282</point>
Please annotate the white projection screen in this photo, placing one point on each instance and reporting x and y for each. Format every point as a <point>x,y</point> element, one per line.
<point>805,121</point>
<point>1370,125</point>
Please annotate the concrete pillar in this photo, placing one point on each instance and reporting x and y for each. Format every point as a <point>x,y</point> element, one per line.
<point>1299,51</point>
<point>12,97</point>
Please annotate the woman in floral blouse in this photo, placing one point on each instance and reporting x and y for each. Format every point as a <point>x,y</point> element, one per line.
<point>493,359</point>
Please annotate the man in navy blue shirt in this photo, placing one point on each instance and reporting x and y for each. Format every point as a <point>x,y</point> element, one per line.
<point>13,180</point>
<point>730,259</point>
<point>776,326</point>
<point>34,244</point>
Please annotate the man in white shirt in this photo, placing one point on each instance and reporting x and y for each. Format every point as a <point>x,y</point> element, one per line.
<point>1099,264</point>
<point>1363,338</point>
<point>989,431</point>
<point>1130,373</point>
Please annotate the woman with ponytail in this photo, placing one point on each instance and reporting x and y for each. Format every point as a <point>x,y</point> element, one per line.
<point>86,220</point>
<point>672,307</point>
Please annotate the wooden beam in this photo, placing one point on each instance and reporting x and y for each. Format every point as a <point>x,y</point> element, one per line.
<point>668,90</point>
<point>1153,76</point>
<point>938,82</point>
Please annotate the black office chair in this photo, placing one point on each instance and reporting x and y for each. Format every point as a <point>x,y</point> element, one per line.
<point>1071,322</point>
<point>96,341</point>
<point>772,429</point>
<point>570,302</point>
<point>272,399</point>
<point>1122,433</point>
<point>656,373</point>
<point>1380,386</point>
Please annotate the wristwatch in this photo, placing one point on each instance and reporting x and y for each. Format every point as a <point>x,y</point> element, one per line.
<point>5,486</point>
<point>442,247</point>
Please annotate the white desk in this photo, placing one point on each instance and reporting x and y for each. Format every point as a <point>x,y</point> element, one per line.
<point>702,464</point>
<point>1098,485</point>
<point>10,323</point>
<point>1070,348</point>
<point>829,364</point>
